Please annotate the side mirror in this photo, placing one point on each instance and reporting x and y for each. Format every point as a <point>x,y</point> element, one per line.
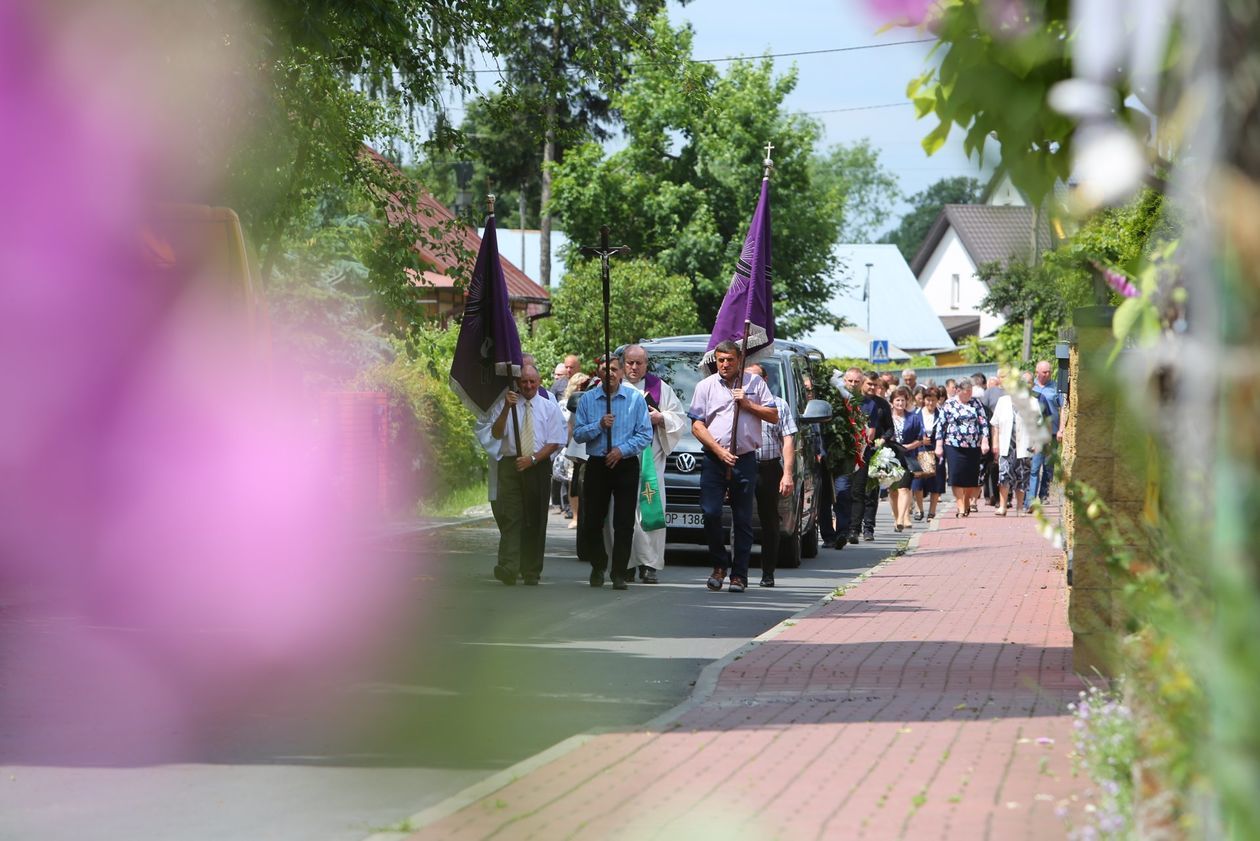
<point>816,411</point>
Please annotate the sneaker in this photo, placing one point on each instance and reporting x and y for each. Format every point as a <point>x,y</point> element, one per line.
<point>738,584</point>
<point>853,538</point>
<point>766,581</point>
<point>507,578</point>
<point>868,537</point>
<point>642,574</point>
<point>716,579</point>
<point>647,575</point>
<point>918,516</point>
<point>531,582</point>
<point>597,578</point>
<point>620,584</point>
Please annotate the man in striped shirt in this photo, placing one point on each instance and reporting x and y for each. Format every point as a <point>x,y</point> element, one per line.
<point>776,458</point>
<point>612,472</point>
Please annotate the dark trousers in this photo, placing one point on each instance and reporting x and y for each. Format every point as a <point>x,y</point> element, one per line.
<point>843,489</point>
<point>769,474</point>
<point>600,485</point>
<point>826,499</point>
<point>865,502</point>
<point>520,510</point>
<point>989,479</point>
<point>713,487</point>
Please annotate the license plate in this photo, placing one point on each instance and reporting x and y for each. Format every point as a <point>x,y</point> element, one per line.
<point>684,520</point>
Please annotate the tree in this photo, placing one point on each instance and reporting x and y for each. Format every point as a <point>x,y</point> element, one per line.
<point>645,301</point>
<point>914,226</point>
<point>859,186</point>
<point>305,85</point>
<point>558,70</point>
<point>683,189</point>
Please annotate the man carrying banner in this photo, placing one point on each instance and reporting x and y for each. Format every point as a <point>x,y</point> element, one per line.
<point>612,420</point>
<point>524,474</point>
<point>667,417</point>
<point>730,463</point>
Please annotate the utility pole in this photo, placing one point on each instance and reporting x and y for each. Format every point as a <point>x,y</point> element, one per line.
<point>866,296</point>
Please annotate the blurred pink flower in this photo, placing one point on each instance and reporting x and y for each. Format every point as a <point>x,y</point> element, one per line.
<point>165,501</point>
<point>900,12</point>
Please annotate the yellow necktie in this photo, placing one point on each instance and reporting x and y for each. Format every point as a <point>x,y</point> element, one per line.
<point>527,430</point>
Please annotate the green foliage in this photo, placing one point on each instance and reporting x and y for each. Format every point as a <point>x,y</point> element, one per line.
<point>859,186</point>
<point>322,314</point>
<point>1166,620</point>
<point>992,80</point>
<point>446,453</point>
<point>312,82</point>
<point>841,433</point>
<point>644,302</point>
<point>554,82</point>
<point>683,189</point>
<point>908,236</point>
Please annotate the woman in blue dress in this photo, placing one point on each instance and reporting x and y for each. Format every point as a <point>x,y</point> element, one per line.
<point>962,439</point>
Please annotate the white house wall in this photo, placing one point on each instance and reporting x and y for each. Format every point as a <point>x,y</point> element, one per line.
<point>950,258</point>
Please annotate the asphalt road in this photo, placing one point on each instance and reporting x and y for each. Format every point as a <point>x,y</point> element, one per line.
<point>486,676</point>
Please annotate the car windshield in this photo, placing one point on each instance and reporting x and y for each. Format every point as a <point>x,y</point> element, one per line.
<point>681,370</point>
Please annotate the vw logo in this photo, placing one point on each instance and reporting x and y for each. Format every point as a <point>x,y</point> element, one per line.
<point>685,462</point>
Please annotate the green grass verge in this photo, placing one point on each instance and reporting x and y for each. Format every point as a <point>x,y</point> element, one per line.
<point>455,502</point>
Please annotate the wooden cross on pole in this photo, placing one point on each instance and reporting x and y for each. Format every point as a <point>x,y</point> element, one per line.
<point>603,252</point>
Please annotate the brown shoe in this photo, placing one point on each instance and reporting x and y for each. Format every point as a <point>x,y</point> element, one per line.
<point>716,579</point>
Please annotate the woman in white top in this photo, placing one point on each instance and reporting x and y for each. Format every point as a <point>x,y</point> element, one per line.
<point>575,451</point>
<point>1013,446</point>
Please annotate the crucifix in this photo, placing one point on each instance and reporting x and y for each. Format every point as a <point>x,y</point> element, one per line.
<point>603,252</point>
<point>767,163</point>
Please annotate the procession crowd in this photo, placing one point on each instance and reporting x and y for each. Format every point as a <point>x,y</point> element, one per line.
<point>596,444</point>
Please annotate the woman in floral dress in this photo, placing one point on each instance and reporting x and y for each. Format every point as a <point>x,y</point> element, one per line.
<point>962,438</point>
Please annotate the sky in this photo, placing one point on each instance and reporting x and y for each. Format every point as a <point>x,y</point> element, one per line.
<point>830,82</point>
<point>854,93</point>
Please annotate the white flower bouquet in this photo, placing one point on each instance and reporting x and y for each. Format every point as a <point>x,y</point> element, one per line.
<point>886,469</point>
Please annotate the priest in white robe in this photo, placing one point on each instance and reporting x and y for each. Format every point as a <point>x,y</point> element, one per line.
<point>668,417</point>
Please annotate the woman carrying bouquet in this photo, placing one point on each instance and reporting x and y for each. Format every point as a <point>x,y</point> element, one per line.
<point>962,439</point>
<point>906,441</point>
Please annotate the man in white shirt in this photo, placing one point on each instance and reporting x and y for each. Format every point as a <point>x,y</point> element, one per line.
<point>524,476</point>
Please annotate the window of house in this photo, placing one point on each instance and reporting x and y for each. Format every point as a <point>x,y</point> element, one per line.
<point>955,291</point>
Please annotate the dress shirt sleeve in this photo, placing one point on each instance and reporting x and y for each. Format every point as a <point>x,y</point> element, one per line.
<point>699,410</point>
<point>982,420</point>
<point>787,419</point>
<point>675,420</point>
<point>586,421</point>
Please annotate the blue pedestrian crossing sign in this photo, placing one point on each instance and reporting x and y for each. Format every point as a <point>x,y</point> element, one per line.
<point>879,351</point>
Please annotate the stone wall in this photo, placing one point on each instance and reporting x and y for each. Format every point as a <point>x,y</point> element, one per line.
<point>1103,450</point>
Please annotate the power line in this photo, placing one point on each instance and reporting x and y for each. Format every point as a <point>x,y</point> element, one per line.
<point>859,108</point>
<point>849,49</point>
<point>815,52</point>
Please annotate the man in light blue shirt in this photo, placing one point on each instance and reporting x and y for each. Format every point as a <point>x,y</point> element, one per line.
<point>613,422</point>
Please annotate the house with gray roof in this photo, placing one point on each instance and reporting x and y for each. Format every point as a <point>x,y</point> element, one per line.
<point>963,238</point>
<point>892,306</point>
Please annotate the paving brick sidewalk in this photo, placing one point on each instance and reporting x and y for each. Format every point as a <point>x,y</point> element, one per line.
<point>927,702</point>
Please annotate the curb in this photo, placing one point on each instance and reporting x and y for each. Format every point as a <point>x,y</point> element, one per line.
<point>705,685</point>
